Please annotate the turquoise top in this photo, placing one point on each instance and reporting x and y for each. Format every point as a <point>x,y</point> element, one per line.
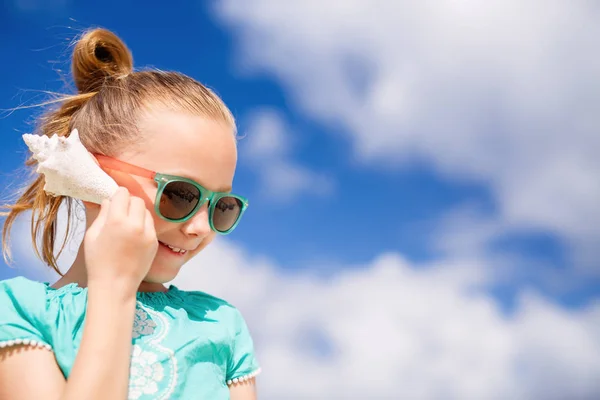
<point>186,345</point>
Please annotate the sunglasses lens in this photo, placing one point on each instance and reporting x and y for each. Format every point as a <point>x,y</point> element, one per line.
<point>178,200</point>
<point>226,213</point>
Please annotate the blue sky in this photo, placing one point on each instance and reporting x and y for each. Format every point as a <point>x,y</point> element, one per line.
<point>371,209</point>
<point>445,147</point>
<point>343,227</point>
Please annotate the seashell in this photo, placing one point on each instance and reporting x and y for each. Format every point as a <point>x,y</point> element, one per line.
<point>69,169</point>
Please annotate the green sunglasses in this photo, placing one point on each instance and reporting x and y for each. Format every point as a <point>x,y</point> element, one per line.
<point>178,199</point>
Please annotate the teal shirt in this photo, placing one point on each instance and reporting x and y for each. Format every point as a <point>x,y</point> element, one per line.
<point>185,345</point>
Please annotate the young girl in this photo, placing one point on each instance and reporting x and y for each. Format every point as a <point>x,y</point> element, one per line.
<point>109,328</point>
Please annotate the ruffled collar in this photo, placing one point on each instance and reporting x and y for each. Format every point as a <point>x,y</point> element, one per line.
<point>170,296</point>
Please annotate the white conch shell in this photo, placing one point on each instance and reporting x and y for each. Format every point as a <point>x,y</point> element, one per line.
<point>69,169</point>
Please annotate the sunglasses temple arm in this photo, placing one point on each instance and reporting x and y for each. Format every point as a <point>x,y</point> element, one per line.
<point>121,166</point>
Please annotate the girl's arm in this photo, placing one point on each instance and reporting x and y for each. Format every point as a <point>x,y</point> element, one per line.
<point>243,391</point>
<point>119,248</point>
<point>101,368</point>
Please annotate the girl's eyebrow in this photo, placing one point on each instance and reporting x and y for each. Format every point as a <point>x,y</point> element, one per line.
<point>223,189</point>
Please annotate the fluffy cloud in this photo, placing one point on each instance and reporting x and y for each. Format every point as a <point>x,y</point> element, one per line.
<point>391,329</point>
<point>502,92</point>
<point>267,143</point>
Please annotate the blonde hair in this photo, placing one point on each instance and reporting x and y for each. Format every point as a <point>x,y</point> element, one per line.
<point>110,99</point>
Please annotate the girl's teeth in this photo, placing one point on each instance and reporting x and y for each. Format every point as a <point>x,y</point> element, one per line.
<point>175,249</point>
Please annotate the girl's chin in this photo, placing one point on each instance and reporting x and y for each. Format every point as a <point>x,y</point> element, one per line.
<point>166,266</point>
<point>161,274</point>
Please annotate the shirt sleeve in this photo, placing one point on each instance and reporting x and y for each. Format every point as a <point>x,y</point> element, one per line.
<point>21,310</point>
<point>243,364</point>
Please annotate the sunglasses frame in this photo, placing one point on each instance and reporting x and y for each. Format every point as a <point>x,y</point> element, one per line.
<point>162,180</point>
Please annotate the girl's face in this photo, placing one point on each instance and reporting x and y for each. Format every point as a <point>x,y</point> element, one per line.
<point>188,146</point>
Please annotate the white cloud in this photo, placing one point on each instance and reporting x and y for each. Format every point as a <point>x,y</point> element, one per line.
<point>505,92</point>
<point>469,232</point>
<point>269,135</point>
<point>391,330</point>
<point>268,144</point>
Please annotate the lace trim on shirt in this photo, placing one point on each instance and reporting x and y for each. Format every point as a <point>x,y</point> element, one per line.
<point>25,342</point>
<point>244,378</point>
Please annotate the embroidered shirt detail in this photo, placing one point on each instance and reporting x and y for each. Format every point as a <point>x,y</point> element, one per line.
<point>244,378</point>
<point>142,324</point>
<point>153,371</point>
<point>145,373</point>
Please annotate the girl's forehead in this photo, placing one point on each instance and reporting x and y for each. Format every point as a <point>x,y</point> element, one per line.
<point>174,122</point>
<point>191,146</point>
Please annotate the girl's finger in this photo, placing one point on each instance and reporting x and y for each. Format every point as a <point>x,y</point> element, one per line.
<point>149,222</point>
<point>137,210</point>
<point>103,214</point>
<point>119,205</point>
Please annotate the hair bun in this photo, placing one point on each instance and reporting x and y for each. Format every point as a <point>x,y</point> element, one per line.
<point>99,54</point>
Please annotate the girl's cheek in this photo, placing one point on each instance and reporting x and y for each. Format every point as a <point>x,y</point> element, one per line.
<point>205,243</point>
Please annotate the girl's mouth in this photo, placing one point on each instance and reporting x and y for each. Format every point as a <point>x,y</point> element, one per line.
<point>173,249</point>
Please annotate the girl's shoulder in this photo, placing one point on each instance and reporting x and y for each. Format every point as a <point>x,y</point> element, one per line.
<point>20,283</point>
<point>29,297</point>
<point>22,292</point>
<point>227,319</point>
<point>23,312</point>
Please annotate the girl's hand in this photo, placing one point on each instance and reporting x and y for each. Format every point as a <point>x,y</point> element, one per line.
<point>121,243</point>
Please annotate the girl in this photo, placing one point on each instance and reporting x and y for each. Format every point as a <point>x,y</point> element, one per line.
<point>109,328</point>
